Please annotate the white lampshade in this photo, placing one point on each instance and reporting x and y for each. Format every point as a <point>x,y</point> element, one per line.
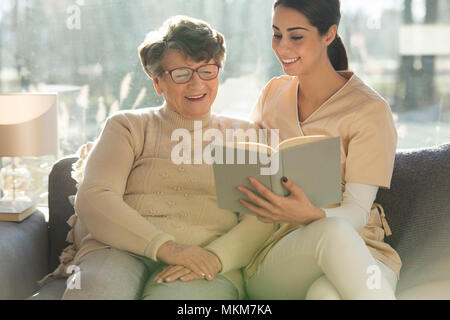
<point>28,124</point>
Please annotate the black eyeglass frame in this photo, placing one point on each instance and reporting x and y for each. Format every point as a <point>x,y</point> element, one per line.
<point>169,72</point>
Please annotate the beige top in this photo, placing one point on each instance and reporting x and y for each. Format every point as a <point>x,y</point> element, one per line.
<point>134,198</point>
<point>364,121</point>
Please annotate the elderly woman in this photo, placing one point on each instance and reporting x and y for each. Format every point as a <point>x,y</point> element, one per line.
<point>156,231</point>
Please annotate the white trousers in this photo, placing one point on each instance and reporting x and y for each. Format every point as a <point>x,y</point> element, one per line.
<point>326,259</point>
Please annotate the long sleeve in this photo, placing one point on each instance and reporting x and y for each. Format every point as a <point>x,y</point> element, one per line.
<point>356,204</point>
<point>99,201</point>
<point>237,246</point>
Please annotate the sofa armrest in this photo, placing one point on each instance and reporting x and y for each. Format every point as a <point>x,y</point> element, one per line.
<point>24,250</point>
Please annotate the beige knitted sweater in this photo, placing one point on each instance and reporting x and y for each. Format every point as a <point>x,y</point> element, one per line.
<point>134,198</point>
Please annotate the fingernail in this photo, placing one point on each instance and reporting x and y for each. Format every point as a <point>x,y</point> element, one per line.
<point>284,179</point>
<point>159,281</point>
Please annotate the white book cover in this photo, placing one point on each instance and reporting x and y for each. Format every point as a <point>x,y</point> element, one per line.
<point>15,206</point>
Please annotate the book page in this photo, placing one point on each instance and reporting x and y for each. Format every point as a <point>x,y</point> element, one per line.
<point>255,146</point>
<point>245,145</point>
<point>288,143</point>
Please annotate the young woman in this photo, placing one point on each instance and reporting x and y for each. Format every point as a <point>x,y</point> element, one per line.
<point>324,253</point>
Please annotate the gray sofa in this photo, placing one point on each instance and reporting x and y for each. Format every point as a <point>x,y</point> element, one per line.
<point>417,208</point>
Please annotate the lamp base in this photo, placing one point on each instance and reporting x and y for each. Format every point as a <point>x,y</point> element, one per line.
<point>14,181</point>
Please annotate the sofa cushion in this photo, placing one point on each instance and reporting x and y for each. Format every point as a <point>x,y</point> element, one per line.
<point>418,211</point>
<point>53,290</point>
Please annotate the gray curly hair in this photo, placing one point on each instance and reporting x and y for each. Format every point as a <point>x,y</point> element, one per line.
<point>194,38</point>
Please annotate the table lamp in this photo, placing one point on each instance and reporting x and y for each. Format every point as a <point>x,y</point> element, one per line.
<point>28,127</point>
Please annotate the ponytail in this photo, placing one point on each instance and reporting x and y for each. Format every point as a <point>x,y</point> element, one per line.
<point>338,54</point>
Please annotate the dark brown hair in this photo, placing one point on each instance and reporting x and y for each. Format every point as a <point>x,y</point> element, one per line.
<point>194,38</point>
<point>322,14</point>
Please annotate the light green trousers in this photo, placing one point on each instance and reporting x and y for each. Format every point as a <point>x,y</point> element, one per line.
<point>112,274</point>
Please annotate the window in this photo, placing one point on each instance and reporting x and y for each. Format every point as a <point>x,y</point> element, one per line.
<point>87,51</point>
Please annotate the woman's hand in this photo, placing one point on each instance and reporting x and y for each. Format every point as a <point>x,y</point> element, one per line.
<point>295,208</point>
<point>203,262</point>
<point>173,273</point>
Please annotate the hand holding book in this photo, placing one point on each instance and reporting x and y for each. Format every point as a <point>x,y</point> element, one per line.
<point>294,208</point>
<point>312,164</point>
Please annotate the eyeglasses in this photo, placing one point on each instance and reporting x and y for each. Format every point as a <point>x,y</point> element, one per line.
<point>184,75</point>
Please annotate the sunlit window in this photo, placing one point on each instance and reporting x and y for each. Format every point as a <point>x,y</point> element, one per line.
<point>86,50</point>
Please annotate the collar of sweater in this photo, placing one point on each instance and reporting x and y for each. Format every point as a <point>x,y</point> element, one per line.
<point>179,121</point>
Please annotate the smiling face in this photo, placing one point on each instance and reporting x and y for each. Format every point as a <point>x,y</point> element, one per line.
<point>192,99</point>
<point>297,44</point>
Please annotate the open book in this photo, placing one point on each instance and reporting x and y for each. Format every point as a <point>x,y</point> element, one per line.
<point>311,162</point>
